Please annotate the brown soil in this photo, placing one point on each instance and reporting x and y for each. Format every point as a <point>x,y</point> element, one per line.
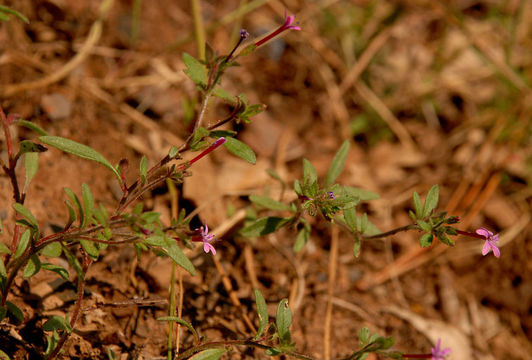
<point>430,94</point>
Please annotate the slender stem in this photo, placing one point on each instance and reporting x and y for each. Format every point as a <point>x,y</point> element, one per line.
<point>199,30</point>
<point>417,356</point>
<point>389,233</point>
<point>75,315</point>
<point>470,234</point>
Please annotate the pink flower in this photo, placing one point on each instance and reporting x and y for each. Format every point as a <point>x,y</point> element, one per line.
<point>288,21</point>
<point>207,238</point>
<point>439,354</point>
<point>491,242</point>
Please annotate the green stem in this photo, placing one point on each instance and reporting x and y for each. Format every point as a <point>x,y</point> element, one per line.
<point>199,30</point>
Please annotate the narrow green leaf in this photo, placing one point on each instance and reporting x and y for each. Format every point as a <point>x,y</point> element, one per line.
<point>71,214</point>
<point>269,203</point>
<point>143,169</point>
<point>32,126</point>
<point>425,240</point>
<point>297,187</point>
<point>309,172</point>
<point>182,322</point>
<point>57,269</point>
<point>90,247</point>
<point>301,240</point>
<point>23,244</point>
<point>7,10</point>
<point>57,323</point>
<point>15,311</point>
<point>3,355</point>
<point>32,267</point>
<point>424,226</point>
<point>275,175</point>
<point>240,149</point>
<point>177,255</point>
<point>88,204</point>
<point>75,200</point>
<point>224,95</point>
<point>363,195</point>
<point>264,226</point>
<point>195,70</point>
<point>22,210</point>
<point>80,150</point>
<point>418,206</point>
<point>173,152</point>
<point>431,201</point>
<point>31,163</point>
<point>363,335</point>
<point>27,146</point>
<point>4,249</point>
<point>74,263</point>
<point>283,322</point>
<point>3,274</point>
<point>209,354</point>
<point>356,247</point>
<point>262,312</point>
<point>350,217</point>
<point>337,165</point>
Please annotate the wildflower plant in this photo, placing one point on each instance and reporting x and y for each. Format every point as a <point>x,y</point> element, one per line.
<point>92,227</point>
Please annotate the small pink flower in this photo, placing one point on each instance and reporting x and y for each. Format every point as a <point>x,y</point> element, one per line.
<point>207,238</point>
<point>491,242</point>
<point>288,21</point>
<point>439,354</point>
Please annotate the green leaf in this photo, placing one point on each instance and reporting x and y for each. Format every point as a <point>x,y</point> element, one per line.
<point>273,351</point>
<point>88,204</point>
<point>264,226</point>
<point>309,172</point>
<point>269,203</point>
<point>23,244</point>
<point>224,94</point>
<point>3,355</point>
<point>240,149</point>
<point>173,152</point>
<point>15,311</point>
<point>356,247</point>
<point>74,263</point>
<point>363,195</point>
<point>424,226</point>
<point>275,175</point>
<point>425,240</point>
<point>4,249</point>
<point>75,200</point>
<point>363,335</point>
<point>32,126</point>
<point>3,275</point>
<point>57,323</point>
<point>209,354</point>
<point>337,164</point>
<point>32,267</point>
<point>283,322</point>
<point>302,239</point>
<point>195,70</point>
<point>262,312</point>
<point>31,163</point>
<point>7,10</point>
<point>51,343</point>
<point>80,150</point>
<point>143,169</point>
<point>27,146</point>
<point>350,217</point>
<point>182,322</point>
<point>431,201</point>
<point>90,248</point>
<point>71,214</point>
<point>22,210</point>
<point>177,255</point>
<point>418,207</point>
<point>57,269</point>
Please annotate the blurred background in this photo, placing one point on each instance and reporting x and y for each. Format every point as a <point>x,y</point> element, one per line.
<point>429,92</point>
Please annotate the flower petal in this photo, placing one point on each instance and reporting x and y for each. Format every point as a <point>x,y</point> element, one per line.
<point>486,248</point>
<point>208,247</point>
<point>496,251</point>
<point>484,232</point>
